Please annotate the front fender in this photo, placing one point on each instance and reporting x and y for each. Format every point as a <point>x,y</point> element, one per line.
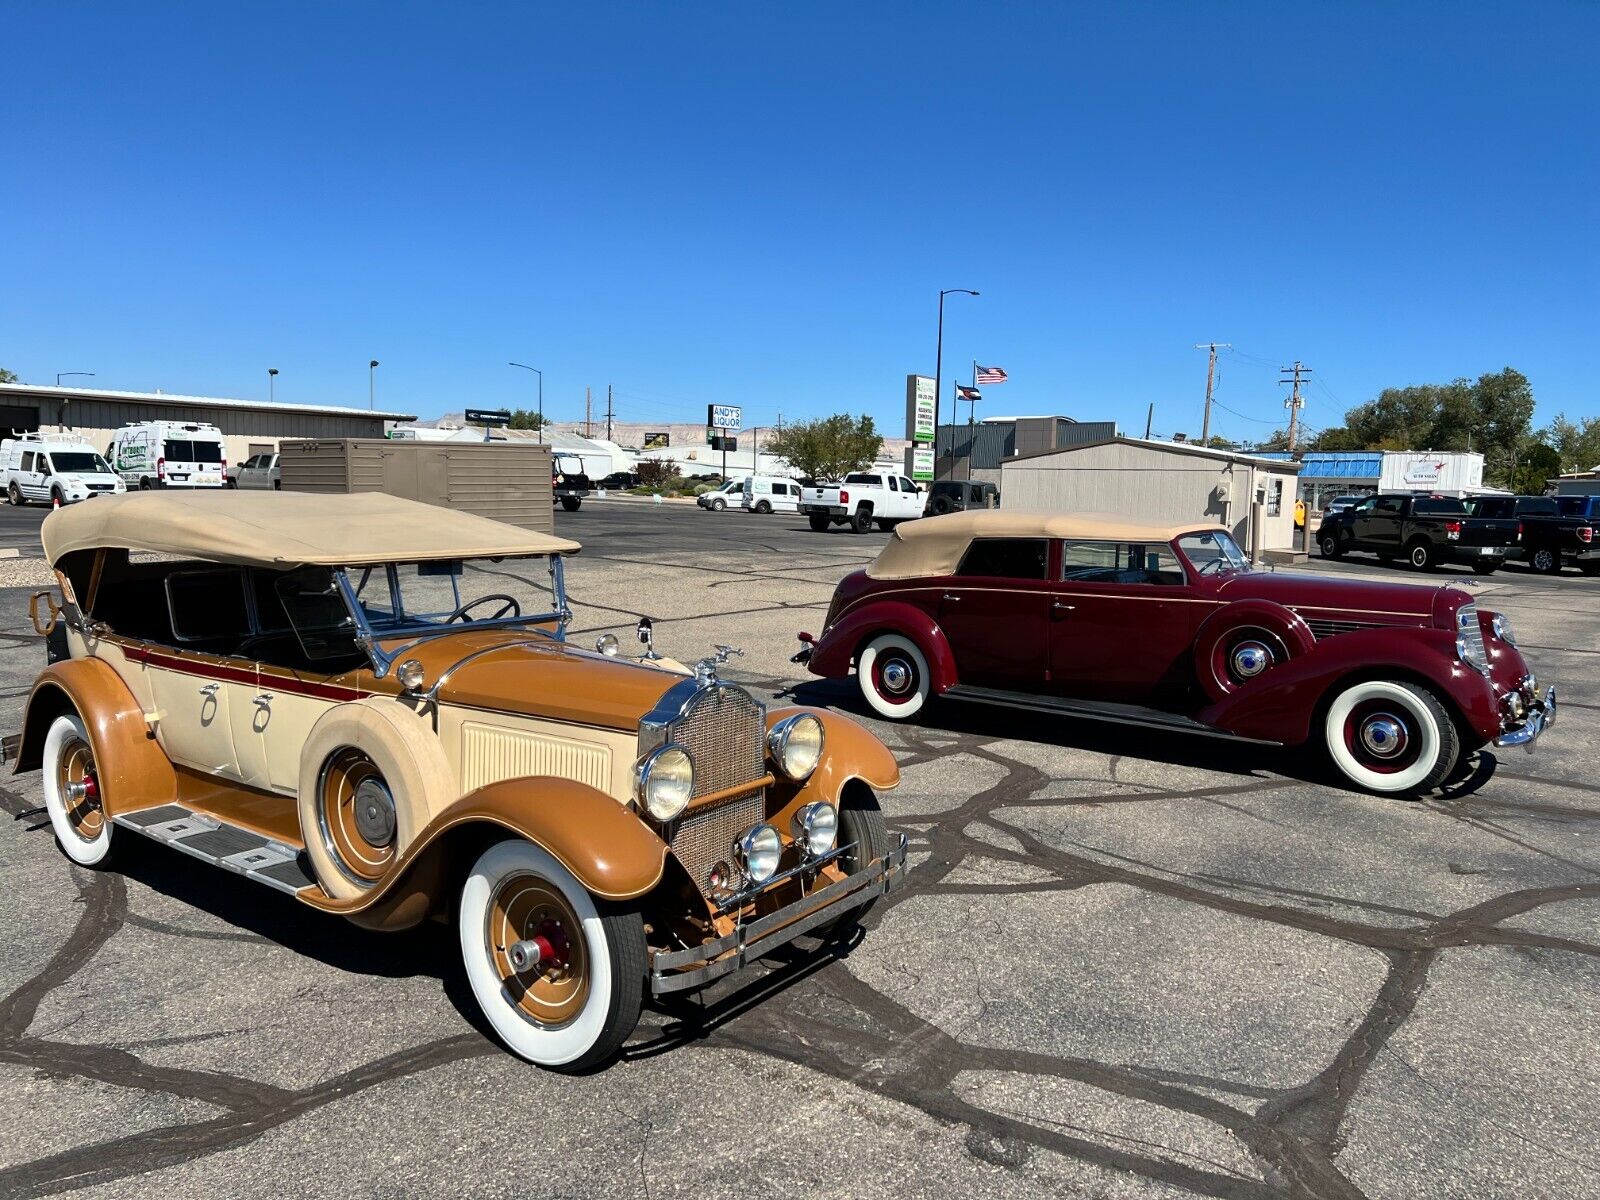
<point>1279,706</point>
<point>608,849</point>
<point>134,772</point>
<point>834,652</point>
<point>849,752</point>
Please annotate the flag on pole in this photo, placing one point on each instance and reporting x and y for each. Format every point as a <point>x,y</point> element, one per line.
<point>989,375</point>
<point>968,393</point>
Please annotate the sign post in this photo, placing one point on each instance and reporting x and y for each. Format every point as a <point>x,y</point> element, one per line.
<point>489,418</point>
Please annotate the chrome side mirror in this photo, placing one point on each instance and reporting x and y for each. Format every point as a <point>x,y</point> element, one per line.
<point>647,637</point>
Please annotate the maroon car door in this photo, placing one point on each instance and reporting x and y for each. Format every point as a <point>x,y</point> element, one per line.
<point>1122,620</point>
<point>993,611</point>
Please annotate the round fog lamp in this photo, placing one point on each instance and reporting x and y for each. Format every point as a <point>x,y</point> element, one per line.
<point>816,827</point>
<point>410,674</point>
<point>759,850</point>
<point>608,645</point>
<point>1516,706</point>
<point>665,782</point>
<point>795,744</point>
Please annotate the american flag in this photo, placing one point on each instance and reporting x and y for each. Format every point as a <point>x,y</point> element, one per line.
<point>967,393</point>
<point>991,375</point>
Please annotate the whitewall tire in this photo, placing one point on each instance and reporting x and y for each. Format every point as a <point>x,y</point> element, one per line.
<point>575,1009</point>
<point>1392,738</point>
<point>893,675</point>
<point>71,794</point>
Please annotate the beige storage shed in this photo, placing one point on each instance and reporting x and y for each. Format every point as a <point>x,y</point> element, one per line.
<point>1152,480</point>
<point>509,481</point>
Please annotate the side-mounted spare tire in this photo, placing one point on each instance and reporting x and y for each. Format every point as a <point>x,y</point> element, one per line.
<point>1242,642</point>
<point>372,774</point>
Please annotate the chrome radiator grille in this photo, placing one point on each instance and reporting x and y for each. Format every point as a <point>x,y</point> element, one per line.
<point>705,835</point>
<point>722,729</point>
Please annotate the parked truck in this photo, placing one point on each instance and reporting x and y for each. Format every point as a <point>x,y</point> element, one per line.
<point>1423,530</point>
<point>1551,537</point>
<point>863,498</point>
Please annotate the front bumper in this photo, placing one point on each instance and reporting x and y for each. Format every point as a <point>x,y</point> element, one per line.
<point>685,970</point>
<point>1541,716</point>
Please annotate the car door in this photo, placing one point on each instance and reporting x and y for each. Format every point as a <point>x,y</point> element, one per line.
<point>191,683</point>
<point>993,612</point>
<point>910,499</point>
<point>1121,620</point>
<point>1377,524</point>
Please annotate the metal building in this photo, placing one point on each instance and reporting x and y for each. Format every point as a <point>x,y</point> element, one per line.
<point>248,426</point>
<point>975,451</point>
<point>1158,481</point>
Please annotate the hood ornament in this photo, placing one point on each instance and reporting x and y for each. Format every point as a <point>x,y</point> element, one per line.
<point>705,671</point>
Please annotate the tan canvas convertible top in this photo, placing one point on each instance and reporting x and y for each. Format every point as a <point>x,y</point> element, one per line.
<point>286,529</point>
<point>934,545</point>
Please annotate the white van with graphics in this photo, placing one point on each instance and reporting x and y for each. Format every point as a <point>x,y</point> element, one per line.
<point>769,493</point>
<point>53,468</point>
<point>154,454</point>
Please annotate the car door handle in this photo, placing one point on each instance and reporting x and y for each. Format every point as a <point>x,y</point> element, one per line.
<point>264,700</point>
<point>1060,607</point>
<point>951,597</point>
<point>210,689</point>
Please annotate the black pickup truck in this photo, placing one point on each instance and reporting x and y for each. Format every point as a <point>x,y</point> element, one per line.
<point>1423,530</point>
<point>1551,538</point>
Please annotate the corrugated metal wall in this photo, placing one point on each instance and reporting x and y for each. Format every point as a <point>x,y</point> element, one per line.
<point>508,481</point>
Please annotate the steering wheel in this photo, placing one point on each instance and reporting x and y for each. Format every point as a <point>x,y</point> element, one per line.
<point>1211,564</point>
<point>508,605</point>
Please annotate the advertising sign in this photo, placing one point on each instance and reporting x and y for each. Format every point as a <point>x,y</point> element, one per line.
<point>657,441</point>
<point>724,416</point>
<point>1451,472</point>
<point>919,409</point>
<point>921,463</point>
<point>499,417</point>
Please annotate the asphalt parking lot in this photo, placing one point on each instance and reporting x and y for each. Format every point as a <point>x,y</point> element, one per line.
<point>1126,965</point>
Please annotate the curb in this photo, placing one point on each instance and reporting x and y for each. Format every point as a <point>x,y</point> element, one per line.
<point>10,552</point>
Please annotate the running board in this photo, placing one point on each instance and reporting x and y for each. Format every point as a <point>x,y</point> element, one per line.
<point>242,851</point>
<point>1098,710</point>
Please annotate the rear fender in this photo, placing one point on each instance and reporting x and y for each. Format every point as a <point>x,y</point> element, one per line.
<point>836,650</point>
<point>133,770</point>
<point>1281,705</point>
<point>605,845</point>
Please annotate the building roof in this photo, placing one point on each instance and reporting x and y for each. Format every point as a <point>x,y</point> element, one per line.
<point>45,391</point>
<point>1334,464</point>
<point>1165,447</point>
<point>286,529</point>
<point>934,545</point>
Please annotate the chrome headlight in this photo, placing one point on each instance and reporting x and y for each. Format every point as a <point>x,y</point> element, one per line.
<point>816,827</point>
<point>759,850</point>
<point>795,744</point>
<point>1502,629</point>
<point>410,674</point>
<point>1469,639</point>
<point>664,781</point>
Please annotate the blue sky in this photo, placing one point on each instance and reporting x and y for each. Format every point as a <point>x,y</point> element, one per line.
<point>758,203</point>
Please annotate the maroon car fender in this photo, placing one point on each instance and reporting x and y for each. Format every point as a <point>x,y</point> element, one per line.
<point>1285,626</point>
<point>836,649</point>
<point>1280,706</point>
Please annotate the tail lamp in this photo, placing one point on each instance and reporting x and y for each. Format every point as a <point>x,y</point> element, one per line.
<point>161,468</point>
<point>1452,529</point>
<point>844,497</point>
<point>1586,534</point>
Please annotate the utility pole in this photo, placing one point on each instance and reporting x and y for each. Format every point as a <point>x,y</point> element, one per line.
<point>608,412</point>
<point>1211,374</point>
<point>588,411</point>
<point>1149,419</point>
<point>1294,403</point>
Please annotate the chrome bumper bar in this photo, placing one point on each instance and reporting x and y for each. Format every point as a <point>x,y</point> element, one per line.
<point>684,970</point>
<point>1541,716</point>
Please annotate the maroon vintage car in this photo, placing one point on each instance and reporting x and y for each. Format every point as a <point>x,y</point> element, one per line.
<point>1168,626</point>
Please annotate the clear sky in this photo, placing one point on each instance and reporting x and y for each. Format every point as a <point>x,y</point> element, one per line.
<point>757,203</point>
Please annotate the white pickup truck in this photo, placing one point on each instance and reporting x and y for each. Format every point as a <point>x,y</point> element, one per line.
<point>863,497</point>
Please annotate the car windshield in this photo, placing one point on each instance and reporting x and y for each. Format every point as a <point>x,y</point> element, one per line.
<point>69,461</point>
<point>414,597</point>
<point>1213,552</point>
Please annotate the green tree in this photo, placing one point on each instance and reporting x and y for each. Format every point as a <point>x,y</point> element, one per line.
<point>829,447</point>
<point>523,418</point>
<point>1577,446</point>
<point>1537,464</point>
<point>1334,439</point>
<point>8,376</point>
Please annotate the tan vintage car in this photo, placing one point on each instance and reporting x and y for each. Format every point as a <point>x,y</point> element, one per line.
<point>371,704</point>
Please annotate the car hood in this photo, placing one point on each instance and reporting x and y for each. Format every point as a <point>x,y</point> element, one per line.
<point>1363,599</point>
<point>526,672</point>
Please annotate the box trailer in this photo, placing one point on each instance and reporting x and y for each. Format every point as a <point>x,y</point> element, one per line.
<point>509,481</point>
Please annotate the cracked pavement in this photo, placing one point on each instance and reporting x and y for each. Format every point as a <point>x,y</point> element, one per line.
<point>1126,965</point>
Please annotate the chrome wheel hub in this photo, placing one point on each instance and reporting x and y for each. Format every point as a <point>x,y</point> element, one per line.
<point>1383,735</point>
<point>374,813</point>
<point>1249,659</point>
<point>896,676</point>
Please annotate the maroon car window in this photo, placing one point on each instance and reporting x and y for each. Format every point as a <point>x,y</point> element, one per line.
<point>1120,562</point>
<point>1006,558</point>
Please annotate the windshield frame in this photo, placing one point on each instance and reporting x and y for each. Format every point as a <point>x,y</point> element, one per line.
<point>1231,565</point>
<point>413,633</point>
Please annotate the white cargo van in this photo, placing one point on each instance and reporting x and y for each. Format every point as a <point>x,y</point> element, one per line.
<point>53,468</point>
<point>768,493</point>
<point>152,454</point>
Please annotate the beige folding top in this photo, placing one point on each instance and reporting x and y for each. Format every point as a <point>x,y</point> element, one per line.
<point>284,529</point>
<point>934,545</point>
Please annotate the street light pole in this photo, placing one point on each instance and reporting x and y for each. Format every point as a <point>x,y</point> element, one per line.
<point>272,384</point>
<point>372,384</point>
<point>938,370</point>
<point>60,375</point>
<point>540,374</point>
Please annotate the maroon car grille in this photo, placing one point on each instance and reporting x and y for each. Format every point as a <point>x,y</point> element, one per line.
<point>1321,628</point>
<point>706,835</point>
